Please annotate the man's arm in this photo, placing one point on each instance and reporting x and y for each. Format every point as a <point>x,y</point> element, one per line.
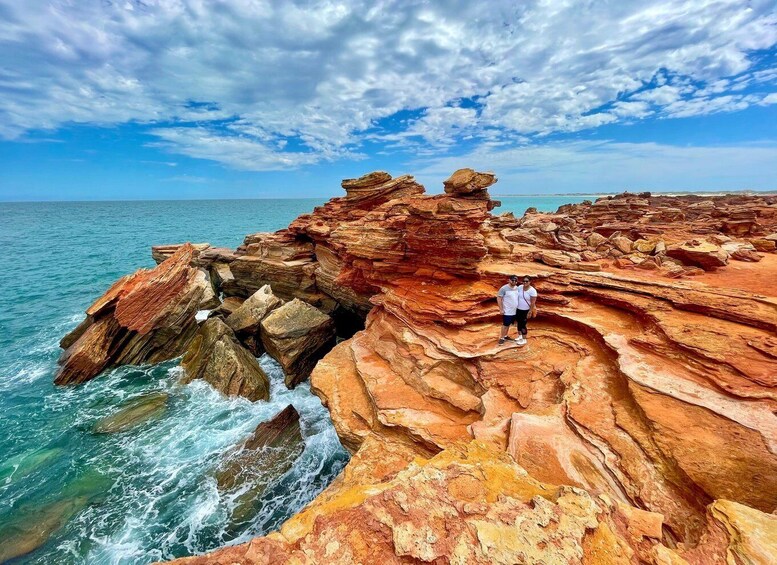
<point>499,301</point>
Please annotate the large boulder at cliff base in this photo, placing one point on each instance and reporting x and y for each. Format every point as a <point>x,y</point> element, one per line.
<point>259,461</point>
<point>297,335</point>
<point>146,317</point>
<point>215,356</point>
<point>246,319</point>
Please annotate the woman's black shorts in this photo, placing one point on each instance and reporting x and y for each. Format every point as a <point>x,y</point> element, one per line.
<point>519,319</point>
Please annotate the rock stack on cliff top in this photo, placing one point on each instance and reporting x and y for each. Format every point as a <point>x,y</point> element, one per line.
<point>637,424</point>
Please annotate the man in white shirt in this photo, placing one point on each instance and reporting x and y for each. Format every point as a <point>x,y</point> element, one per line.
<point>517,303</point>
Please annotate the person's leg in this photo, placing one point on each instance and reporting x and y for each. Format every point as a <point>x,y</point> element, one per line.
<point>521,317</point>
<point>506,321</point>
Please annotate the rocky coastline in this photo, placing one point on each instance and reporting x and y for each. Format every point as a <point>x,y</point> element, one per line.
<point>638,425</point>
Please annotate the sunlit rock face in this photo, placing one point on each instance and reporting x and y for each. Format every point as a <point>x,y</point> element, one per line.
<point>146,317</point>
<point>653,392</point>
<point>215,356</point>
<point>638,421</point>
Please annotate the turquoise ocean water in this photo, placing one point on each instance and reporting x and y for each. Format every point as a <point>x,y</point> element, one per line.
<point>148,493</point>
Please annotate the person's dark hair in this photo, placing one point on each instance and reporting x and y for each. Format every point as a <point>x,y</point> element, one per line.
<point>526,277</point>
<point>513,277</point>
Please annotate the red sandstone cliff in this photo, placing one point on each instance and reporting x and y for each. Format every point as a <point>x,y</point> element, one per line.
<point>643,408</point>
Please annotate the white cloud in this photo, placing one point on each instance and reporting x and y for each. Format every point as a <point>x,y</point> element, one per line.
<point>322,72</point>
<point>770,99</point>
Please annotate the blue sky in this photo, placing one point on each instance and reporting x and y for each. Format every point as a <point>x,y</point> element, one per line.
<point>185,99</point>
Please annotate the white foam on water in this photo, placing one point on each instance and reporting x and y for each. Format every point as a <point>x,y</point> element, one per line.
<point>201,315</point>
<point>164,501</point>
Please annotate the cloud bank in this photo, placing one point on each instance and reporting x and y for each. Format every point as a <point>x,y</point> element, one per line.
<point>268,85</point>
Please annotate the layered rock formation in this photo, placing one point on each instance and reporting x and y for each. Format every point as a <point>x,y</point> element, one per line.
<point>642,409</point>
<point>215,356</point>
<point>676,236</point>
<point>656,394</point>
<point>146,317</point>
<point>297,335</point>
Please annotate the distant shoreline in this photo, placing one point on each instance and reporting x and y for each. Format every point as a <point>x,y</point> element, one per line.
<point>652,192</point>
<point>709,193</point>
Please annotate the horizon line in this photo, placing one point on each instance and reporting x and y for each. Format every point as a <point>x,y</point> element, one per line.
<point>503,195</point>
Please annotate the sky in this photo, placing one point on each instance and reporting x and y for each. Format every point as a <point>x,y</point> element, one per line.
<point>190,99</point>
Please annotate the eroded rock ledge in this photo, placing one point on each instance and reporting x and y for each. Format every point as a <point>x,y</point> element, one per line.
<point>643,408</point>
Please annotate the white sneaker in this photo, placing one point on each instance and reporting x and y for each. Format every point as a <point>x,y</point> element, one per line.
<point>521,340</point>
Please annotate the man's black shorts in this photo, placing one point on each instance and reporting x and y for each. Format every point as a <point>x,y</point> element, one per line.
<point>518,318</point>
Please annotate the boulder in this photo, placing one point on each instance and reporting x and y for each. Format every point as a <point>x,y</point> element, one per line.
<point>146,317</point>
<point>596,239</point>
<point>215,356</point>
<point>706,255</point>
<point>644,246</point>
<point>260,461</point>
<point>554,258</point>
<point>467,182</point>
<point>622,244</point>
<point>764,245</point>
<point>297,335</point>
<point>133,413</point>
<point>246,319</point>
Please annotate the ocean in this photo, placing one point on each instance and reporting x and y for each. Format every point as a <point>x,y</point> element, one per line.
<point>77,496</point>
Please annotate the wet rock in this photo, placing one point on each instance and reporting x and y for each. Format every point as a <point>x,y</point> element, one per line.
<point>133,413</point>
<point>262,459</point>
<point>246,319</point>
<point>146,317</point>
<point>32,524</point>
<point>297,335</point>
<point>24,464</point>
<point>215,356</point>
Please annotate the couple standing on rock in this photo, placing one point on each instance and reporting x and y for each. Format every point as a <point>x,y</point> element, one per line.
<point>517,303</point>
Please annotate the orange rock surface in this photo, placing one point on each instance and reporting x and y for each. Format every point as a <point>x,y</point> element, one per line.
<point>146,317</point>
<point>655,393</point>
<point>637,424</point>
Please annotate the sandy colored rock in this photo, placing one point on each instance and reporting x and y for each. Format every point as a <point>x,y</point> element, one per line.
<point>629,382</point>
<point>622,244</point>
<point>467,505</point>
<point>246,319</point>
<point>701,254</point>
<point>297,335</point>
<point>596,239</point>
<point>215,356</point>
